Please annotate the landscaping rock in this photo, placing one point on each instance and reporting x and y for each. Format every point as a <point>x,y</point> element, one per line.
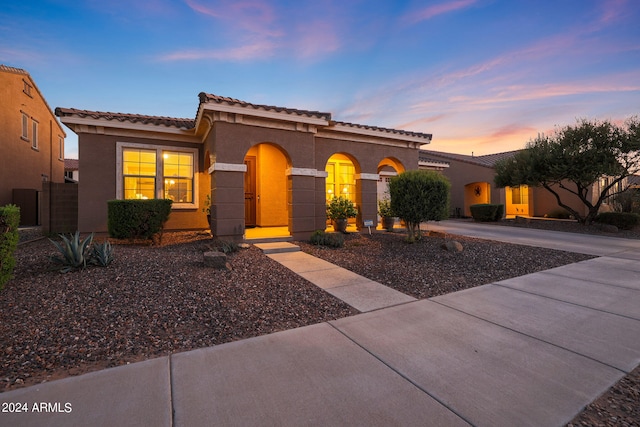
<point>452,246</point>
<point>244,245</point>
<point>215,259</point>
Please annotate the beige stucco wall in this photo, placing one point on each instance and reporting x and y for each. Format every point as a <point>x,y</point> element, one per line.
<point>22,166</point>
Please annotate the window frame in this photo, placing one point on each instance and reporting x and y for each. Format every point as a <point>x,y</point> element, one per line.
<point>34,134</point>
<point>60,148</point>
<point>25,127</point>
<point>159,188</point>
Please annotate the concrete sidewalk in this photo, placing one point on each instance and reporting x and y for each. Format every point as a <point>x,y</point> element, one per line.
<point>532,350</point>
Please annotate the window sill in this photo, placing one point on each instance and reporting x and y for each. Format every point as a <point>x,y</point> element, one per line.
<point>183,206</point>
<point>35,148</point>
<point>25,139</point>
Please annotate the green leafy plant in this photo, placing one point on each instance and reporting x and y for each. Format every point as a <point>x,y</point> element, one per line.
<point>622,220</point>
<point>487,212</point>
<point>129,219</point>
<point>9,221</point>
<point>418,196</point>
<point>384,208</point>
<point>75,252</point>
<point>331,240</point>
<point>102,254</point>
<point>341,208</point>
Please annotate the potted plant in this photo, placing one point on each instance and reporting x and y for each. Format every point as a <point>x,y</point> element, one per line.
<point>339,210</point>
<point>385,212</point>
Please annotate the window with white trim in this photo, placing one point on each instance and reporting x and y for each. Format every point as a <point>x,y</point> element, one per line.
<point>34,135</point>
<point>152,171</point>
<point>25,126</point>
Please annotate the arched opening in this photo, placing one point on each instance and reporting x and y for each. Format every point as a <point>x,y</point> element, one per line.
<point>266,211</point>
<point>341,182</point>
<point>476,193</point>
<point>387,169</point>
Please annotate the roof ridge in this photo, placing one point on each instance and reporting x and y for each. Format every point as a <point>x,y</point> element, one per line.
<point>206,97</point>
<point>383,129</point>
<point>131,117</point>
<point>13,69</point>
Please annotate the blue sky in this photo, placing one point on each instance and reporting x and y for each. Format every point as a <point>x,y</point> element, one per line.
<point>482,76</point>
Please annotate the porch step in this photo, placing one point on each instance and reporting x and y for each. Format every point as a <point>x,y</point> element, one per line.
<point>269,239</point>
<point>277,247</point>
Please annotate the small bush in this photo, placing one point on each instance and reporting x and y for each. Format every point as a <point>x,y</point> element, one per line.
<point>622,220</point>
<point>485,212</point>
<point>331,240</point>
<point>558,214</point>
<point>75,252</point>
<point>102,254</point>
<point>130,219</point>
<point>225,246</point>
<point>9,221</point>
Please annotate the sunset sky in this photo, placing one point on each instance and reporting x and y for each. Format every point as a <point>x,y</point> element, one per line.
<point>482,76</point>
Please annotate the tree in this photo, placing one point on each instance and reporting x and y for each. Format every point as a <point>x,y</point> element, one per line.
<point>574,158</point>
<point>418,196</point>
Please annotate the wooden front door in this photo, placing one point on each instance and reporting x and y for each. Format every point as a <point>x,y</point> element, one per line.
<point>250,192</point>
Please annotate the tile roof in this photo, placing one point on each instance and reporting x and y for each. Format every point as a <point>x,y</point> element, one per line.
<point>387,130</point>
<point>424,158</point>
<point>124,117</point>
<point>208,97</point>
<point>13,69</point>
<point>71,164</point>
<point>488,160</point>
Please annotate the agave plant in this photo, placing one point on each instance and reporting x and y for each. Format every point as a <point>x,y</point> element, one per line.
<point>75,252</point>
<point>102,254</point>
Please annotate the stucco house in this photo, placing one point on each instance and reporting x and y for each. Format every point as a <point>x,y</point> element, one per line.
<point>252,165</point>
<point>31,143</point>
<point>472,182</point>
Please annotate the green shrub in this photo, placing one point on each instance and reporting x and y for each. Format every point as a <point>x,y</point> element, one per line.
<point>622,220</point>
<point>417,196</point>
<point>331,240</point>
<point>9,222</point>
<point>485,212</point>
<point>225,246</point>
<point>130,219</point>
<point>558,214</point>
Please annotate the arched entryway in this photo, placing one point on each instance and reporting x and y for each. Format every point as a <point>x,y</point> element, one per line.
<point>476,193</point>
<point>387,169</point>
<point>265,188</point>
<point>341,172</point>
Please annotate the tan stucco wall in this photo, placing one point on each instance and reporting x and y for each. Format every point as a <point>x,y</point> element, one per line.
<point>21,166</point>
<point>98,166</point>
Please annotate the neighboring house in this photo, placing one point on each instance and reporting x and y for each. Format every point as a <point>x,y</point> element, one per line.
<point>257,165</point>
<point>472,182</point>
<point>71,168</point>
<point>31,143</point>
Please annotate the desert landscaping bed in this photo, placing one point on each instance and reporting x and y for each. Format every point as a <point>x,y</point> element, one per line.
<point>157,300</point>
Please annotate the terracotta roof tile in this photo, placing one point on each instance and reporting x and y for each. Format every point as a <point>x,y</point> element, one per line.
<point>124,117</point>
<point>386,130</point>
<point>208,97</point>
<point>13,69</point>
<point>488,160</point>
<point>71,164</point>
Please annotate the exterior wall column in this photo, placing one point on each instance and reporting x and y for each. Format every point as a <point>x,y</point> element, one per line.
<point>367,198</point>
<point>302,202</point>
<point>227,200</point>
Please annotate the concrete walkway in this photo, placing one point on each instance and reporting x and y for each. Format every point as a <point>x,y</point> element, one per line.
<point>532,350</point>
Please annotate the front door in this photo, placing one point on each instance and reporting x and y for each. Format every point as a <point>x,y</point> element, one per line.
<point>250,192</point>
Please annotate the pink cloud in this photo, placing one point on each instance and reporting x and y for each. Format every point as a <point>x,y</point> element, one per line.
<point>438,9</point>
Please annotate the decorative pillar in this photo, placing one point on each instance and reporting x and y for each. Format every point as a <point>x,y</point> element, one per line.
<point>227,200</point>
<point>367,198</point>
<point>302,202</point>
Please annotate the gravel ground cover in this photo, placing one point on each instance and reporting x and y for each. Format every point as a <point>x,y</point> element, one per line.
<point>157,300</point>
